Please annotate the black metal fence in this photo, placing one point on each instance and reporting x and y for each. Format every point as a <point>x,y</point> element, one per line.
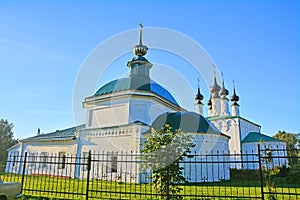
<point>265,174</point>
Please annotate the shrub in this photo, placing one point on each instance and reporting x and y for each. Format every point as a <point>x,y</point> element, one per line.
<point>294,176</point>
<point>283,171</point>
<point>244,174</point>
<point>2,166</point>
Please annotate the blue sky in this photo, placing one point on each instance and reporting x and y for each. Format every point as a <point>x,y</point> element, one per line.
<point>44,43</point>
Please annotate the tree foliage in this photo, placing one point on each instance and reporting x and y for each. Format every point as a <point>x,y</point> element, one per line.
<point>162,152</point>
<point>6,139</point>
<point>292,140</point>
<point>292,145</point>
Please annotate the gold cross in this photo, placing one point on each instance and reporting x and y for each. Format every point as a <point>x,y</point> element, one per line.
<point>141,27</point>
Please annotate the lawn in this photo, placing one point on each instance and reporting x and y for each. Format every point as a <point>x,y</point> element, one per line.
<point>67,188</point>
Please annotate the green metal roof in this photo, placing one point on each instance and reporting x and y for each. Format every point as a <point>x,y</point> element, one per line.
<point>258,137</point>
<point>59,134</point>
<point>136,83</point>
<point>190,122</point>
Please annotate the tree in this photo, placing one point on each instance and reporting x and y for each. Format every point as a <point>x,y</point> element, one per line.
<point>292,140</point>
<point>6,140</point>
<point>298,143</point>
<point>292,143</point>
<point>162,152</point>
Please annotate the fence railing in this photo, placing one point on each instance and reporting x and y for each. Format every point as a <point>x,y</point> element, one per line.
<point>265,174</point>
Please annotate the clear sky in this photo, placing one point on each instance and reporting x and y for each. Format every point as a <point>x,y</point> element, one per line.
<point>44,43</point>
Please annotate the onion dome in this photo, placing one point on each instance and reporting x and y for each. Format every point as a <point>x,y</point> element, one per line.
<point>140,49</point>
<point>234,98</point>
<point>199,96</point>
<point>209,102</point>
<point>215,88</point>
<point>224,92</point>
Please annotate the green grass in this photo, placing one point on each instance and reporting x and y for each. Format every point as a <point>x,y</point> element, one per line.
<point>36,187</point>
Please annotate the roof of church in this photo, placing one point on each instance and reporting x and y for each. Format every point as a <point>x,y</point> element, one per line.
<point>190,122</point>
<point>258,137</point>
<point>56,135</point>
<point>129,84</point>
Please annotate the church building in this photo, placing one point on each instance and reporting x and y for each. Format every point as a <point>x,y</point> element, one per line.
<point>123,111</point>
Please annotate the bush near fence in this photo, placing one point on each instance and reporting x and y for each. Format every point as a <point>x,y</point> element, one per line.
<point>244,174</point>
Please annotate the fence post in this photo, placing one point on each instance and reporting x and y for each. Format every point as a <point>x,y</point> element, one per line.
<point>23,172</point>
<point>168,184</point>
<point>88,175</point>
<point>261,174</point>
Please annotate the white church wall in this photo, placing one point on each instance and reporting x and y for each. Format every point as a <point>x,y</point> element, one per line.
<point>231,128</point>
<point>210,149</point>
<point>12,164</point>
<point>36,151</point>
<point>146,110</point>
<point>108,116</point>
<point>246,127</point>
<point>115,143</point>
<point>122,110</point>
<point>52,147</point>
<point>113,166</point>
<point>277,149</point>
<point>57,149</point>
<point>114,139</point>
<point>237,128</point>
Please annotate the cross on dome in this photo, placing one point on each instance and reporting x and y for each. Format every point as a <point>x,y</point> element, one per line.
<point>140,49</point>
<point>199,96</point>
<point>215,88</point>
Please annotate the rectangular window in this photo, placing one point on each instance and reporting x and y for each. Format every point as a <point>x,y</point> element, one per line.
<point>62,160</point>
<point>43,159</point>
<point>14,160</point>
<point>85,160</point>
<point>114,163</point>
<point>32,159</point>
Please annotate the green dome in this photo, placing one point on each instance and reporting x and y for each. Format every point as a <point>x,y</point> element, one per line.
<point>189,122</point>
<point>136,83</point>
